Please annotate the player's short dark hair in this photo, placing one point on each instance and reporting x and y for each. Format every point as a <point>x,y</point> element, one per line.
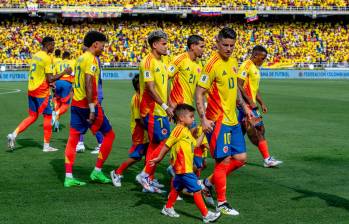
<point>194,39</point>
<point>259,48</point>
<point>47,40</point>
<point>155,36</point>
<point>93,36</point>
<point>66,54</point>
<point>58,53</point>
<point>181,109</point>
<point>226,33</point>
<point>135,81</point>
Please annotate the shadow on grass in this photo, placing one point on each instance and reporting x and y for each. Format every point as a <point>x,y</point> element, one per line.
<point>331,199</point>
<point>27,142</point>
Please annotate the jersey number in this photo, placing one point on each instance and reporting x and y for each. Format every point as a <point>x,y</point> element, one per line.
<point>192,78</point>
<point>227,137</point>
<point>231,83</point>
<point>32,69</point>
<point>161,123</point>
<point>78,71</point>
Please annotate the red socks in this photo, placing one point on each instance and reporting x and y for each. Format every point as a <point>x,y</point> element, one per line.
<point>234,165</point>
<point>106,147</point>
<point>263,148</point>
<point>70,150</point>
<point>172,198</point>
<point>47,128</point>
<point>27,122</point>
<point>200,203</point>
<point>220,180</point>
<point>151,169</point>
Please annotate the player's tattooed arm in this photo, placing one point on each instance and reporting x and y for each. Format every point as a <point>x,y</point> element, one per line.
<point>244,94</point>
<point>207,125</point>
<point>150,86</point>
<point>89,96</point>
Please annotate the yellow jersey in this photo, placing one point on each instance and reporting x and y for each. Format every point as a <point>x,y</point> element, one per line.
<point>152,70</point>
<point>185,73</point>
<point>219,77</point>
<point>182,145</point>
<point>139,134</point>
<point>85,64</point>
<point>63,64</point>
<point>41,64</point>
<point>252,76</point>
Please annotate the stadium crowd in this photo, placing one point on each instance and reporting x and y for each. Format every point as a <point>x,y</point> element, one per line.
<point>287,42</point>
<point>325,4</point>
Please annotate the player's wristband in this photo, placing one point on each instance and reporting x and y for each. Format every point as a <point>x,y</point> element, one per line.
<point>164,106</point>
<point>92,107</point>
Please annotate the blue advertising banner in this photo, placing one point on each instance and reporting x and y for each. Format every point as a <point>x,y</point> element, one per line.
<point>266,74</point>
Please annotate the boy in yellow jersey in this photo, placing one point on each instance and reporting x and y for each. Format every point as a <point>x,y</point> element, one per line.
<point>139,137</point>
<point>40,76</point>
<point>181,143</point>
<point>249,87</point>
<point>219,120</point>
<point>86,112</point>
<point>154,110</point>
<point>63,88</point>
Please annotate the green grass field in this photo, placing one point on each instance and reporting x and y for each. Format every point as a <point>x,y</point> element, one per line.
<point>307,128</point>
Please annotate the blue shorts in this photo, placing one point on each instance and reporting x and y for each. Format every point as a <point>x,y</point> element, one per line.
<point>255,113</point>
<point>188,181</point>
<point>226,140</point>
<point>198,162</point>
<point>63,89</point>
<point>138,151</point>
<point>79,116</point>
<point>158,127</point>
<point>40,105</point>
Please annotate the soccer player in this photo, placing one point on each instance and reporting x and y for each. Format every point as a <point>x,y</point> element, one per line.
<point>181,142</point>
<point>99,136</point>
<point>139,137</point>
<point>249,87</point>
<point>40,75</point>
<point>153,106</point>
<point>86,112</point>
<point>186,71</point>
<point>219,120</point>
<point>63,88</point>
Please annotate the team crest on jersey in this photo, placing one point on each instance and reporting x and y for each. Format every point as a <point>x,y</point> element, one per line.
<point>204,78</point>
<point>164,131</point>
<point>172,68</point>
<point>244,74</point>
<point>93,68</point>
<point>147,74</point>
<point>235,70</point>
<point>225,149</point>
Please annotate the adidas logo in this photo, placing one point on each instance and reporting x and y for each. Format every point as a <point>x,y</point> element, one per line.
<point>188,69</point>
<point>157,69</point>
<point>224,73</point>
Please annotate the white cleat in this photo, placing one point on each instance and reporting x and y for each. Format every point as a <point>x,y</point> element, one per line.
<point>271,162</point>
<point>80,147</point>
<point>211,217</point>
<point>227,209</point>
<point>155,183</point>
<point>49,149</point>
<point>115,178</point>
<point>11,140</point>
<point>97,148</point>
<point>169,212</point>
<point>144,181</point>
